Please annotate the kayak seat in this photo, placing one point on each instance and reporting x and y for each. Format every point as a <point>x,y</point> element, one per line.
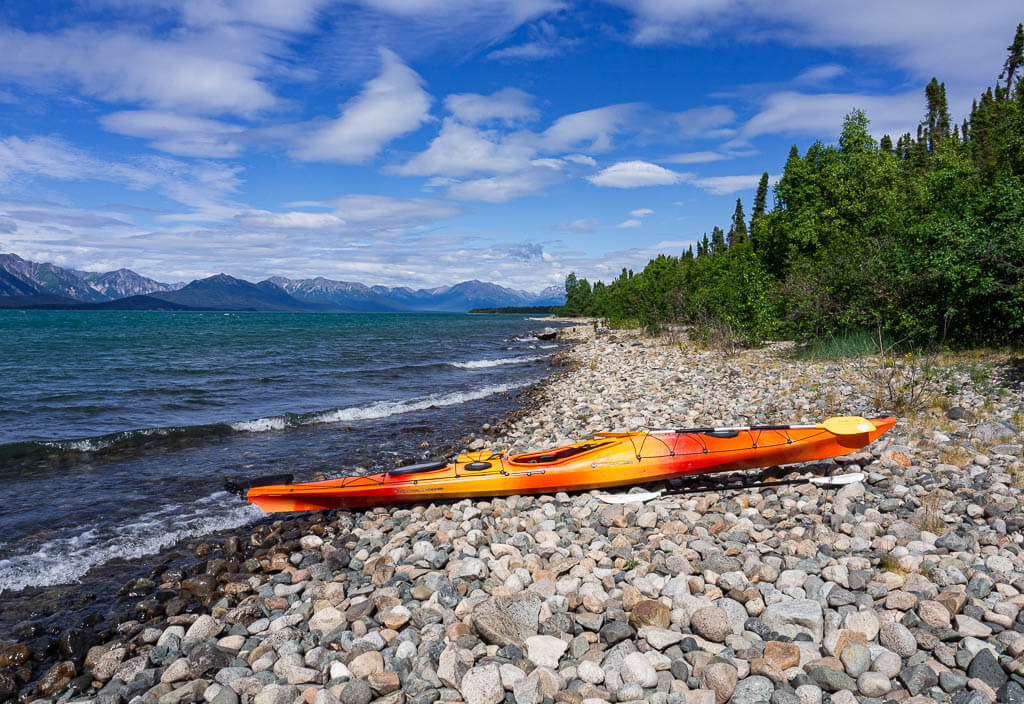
<point>417,468</point>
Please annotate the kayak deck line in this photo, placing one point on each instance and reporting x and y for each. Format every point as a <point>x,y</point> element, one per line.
<point>606,460</point>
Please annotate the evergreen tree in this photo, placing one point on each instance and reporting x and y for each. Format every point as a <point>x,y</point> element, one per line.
<point>717,240</point>
<point>706,246</point>
<point>886,144</point>
<point>760,198</point>
<point>689,252</point>
<point>938,119</point>
<point>738,231</point>
<point>1016,58</point>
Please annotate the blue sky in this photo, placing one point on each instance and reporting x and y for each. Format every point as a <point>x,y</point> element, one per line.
<point>426,142</point>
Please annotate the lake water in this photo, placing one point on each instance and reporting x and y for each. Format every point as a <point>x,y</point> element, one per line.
<point>117,429</point>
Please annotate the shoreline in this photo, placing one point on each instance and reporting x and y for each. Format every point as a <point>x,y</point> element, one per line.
<point>781,594</point>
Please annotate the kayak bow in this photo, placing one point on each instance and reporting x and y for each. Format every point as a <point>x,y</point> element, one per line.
<point>606,460</point>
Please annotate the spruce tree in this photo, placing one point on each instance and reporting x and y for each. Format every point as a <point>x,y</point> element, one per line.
<point>938,113</point>
<point>1015,60</point>
<point>760,199</point>
<point>885,144</point>
<point>739,225</point>
<point>717,240</point>
<point>706,246</point>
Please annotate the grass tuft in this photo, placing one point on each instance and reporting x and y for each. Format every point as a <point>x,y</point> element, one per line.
<point>856,343</point>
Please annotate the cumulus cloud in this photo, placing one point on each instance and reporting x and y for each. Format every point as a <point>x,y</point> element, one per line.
<point>633,174</point>
<point>460,150</point>
<point>641,212</point>
<point>390,105</point>
<point>632,222</point>
<point>508,105</point>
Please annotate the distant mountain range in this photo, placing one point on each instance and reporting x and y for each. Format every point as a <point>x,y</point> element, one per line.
<point>26,284</point>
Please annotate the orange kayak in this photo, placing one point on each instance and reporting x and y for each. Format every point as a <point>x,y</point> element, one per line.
<point>606,460</point>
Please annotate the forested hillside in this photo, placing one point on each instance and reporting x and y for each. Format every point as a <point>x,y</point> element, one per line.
<point>921,236</point>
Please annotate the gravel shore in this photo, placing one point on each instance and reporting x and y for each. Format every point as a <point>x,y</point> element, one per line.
<point>906,587</point>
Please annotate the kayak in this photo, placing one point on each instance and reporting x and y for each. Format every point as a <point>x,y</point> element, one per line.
<point>605,460</point>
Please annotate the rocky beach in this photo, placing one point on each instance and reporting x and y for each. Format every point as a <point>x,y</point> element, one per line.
<point>907,586</point>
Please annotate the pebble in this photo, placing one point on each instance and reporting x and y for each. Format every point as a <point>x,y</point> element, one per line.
<point>906,585</point>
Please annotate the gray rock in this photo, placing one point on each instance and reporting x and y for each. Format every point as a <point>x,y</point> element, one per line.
<point>951,681</point>
<point>354,692</point>
<point>790,618</point>
<point>482,685</point>
<point>284,694</point>
<point>990,432</point>
<point>615,631</point>
<point>898,638</point>
<point>527,690</point>
<point>1011,693</point>
<point>985,667</point>
<point>918,678</point>
<point>974,696</point>
<point>508,620</point>
<point>856,658</point>
<point>545,651</point>
<point>753,690</point>
<point>831,680</point>
<point>873,684</point>
<point>711,622</point>
<point>637,669</point>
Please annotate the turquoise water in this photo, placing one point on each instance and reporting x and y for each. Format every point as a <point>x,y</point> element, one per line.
<point>118,428</point>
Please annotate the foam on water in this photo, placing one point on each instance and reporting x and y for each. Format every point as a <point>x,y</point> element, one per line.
<point>485,363</point>
<point>377,409</point>
<point>64,560</point>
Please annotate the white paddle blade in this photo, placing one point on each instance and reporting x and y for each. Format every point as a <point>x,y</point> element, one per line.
<point>629,498</point>
<point>839,480</point>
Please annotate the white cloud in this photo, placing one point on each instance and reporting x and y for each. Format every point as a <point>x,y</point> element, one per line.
<point>216,71</point>
<point>632,174</point>
<point>385,211</point>
<point>508,105</point>
<point>820,73</point>
<point>641,212</point>
<point>696,157</point>
<point>202,186</point>
<point>390,105</point>
<point>632,222</point>
<point>461,150</point>
<point>503,188</point>
<point>582,225</point>
<point>178,134</point>
<point>963,43</point>
<point>821,114</point>
<point>723,185</point>
<point>705,121</point>
<point>581,159</point>
<point>291,220</point>
<point>592,130</point>
<point>531,51</point>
